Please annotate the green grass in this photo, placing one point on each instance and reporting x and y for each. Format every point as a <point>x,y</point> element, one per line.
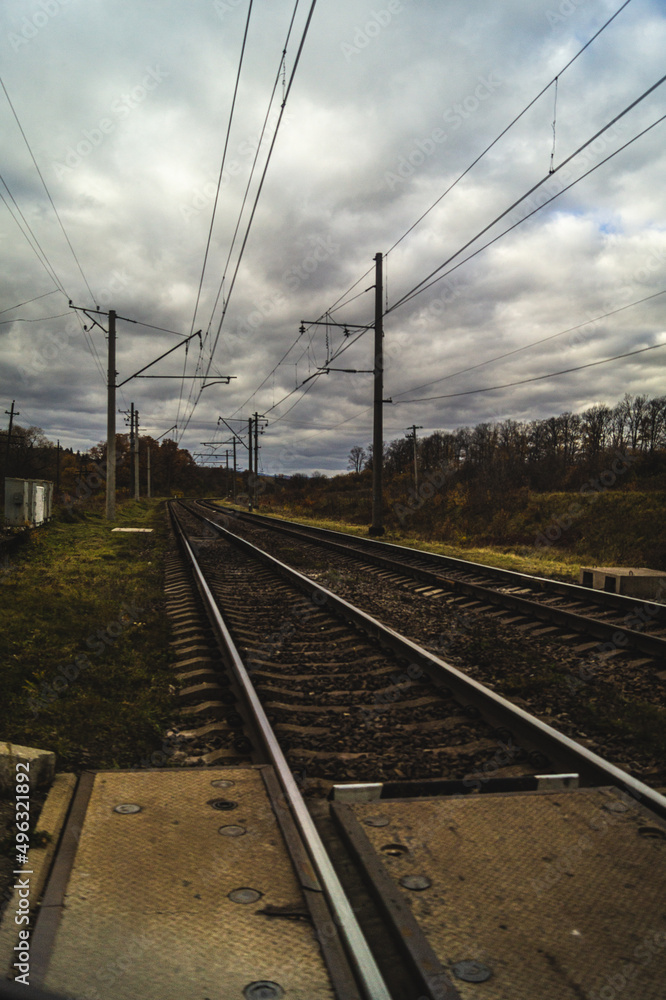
<point>84,640</point>
<point>548,562</point>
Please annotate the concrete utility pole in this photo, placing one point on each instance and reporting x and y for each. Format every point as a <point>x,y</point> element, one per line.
<point>57,482</point>
<point>111,422</point>
<point>250,422</point>
<point>148,471</point>
<point>234,482</point>
<point>132,485</point>
<point>414,428</point>
<point>137,482</point>
<point>11,414</point>
<point>377,526</point>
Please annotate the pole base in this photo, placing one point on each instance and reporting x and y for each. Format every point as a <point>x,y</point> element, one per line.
<point>375,530</point>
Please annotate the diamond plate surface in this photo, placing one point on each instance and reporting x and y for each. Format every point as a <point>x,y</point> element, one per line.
<point>561,895</point>
<point>147,911</point>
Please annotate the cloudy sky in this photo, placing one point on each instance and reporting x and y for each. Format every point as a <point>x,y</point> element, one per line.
<point>125,105</point>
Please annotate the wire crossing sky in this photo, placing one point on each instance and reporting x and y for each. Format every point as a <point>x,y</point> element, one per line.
<point>118,120</point>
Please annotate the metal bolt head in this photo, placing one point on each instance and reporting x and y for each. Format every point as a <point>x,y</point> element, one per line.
<point>263,991</point>
<point>616,807</point>
<point>376,820</point>
<point>127,808</point>
<point>232,831</point>
<point>471,971</point>
<point>224,805</point>
<point>415,882</point>
<point>244,895</point>
<point>222,783</point>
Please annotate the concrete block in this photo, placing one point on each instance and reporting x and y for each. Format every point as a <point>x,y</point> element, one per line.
<point>42,765</point>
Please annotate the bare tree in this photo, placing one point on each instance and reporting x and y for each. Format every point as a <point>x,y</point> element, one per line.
<point>357,456</point>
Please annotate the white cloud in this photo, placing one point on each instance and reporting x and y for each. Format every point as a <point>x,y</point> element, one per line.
<point>131,101</point>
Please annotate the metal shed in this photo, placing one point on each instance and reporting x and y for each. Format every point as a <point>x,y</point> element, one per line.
<point>28,502</point>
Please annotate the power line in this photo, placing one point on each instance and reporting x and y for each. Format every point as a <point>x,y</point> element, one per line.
<point>48,193</point>
<point>28,301</point>
<point>554,80</point>
<point>37,248</point>
<point>426,283</point>
<point>535,378</point>
<point>508,127</point>
<point>256,201</point>
<point>526,347</point>
<point>224,158</point>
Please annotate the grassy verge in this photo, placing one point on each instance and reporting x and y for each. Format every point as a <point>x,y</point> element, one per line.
<point>548,562</point>
<point>84,640</point>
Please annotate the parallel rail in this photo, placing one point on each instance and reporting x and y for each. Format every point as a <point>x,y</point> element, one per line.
<point>480,582</point>
<point>530,731</point>
<point>361,957</point>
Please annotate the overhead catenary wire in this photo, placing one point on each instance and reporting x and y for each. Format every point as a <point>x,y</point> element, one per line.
<point>426,282</point>
<point>28,301</point>
<point>534,378</point>
<point>341,301</point>
<point>48,193</point>
<point>509,126</point>
<point>526,347</point>
<point>256,202</point>
<point>214,211</point>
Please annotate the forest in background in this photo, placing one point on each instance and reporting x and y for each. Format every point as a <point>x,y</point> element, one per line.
<point>592,483</point>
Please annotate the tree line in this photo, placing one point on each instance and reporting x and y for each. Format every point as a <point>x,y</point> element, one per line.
<point>552,453</point>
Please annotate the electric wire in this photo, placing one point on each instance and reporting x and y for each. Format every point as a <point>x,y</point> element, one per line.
<point>48,193</point>
<point>426,283</point>
<point>526,347</point>
<point>534,378</point>
<point>37,247</point>
<point>339,303</point>
<point>508,127</point>
<point>256,201</point>
<point>212,220</point>
<point>281,67</point>
<point>28,301</point>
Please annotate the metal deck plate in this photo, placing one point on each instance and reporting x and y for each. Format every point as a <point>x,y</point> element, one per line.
<point>559,895</point>
<point>147,910</point>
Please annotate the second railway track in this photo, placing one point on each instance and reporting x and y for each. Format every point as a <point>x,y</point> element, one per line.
<point>353,701</point>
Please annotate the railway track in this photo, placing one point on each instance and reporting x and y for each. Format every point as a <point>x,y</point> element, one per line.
<point>348,707</point>
<point>376,825</point>
<point>617,622</point>
<point>353,700</point>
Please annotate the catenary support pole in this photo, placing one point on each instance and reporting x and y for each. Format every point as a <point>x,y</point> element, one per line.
<point>11,414</point>
<point>148,493</point>
<point>137,482</point>
<point>234,480</point>
<point>377,526</point>
<point>256,456</point>
<point>111,422</point>
<point>249,461</point>
<point>414,428</point>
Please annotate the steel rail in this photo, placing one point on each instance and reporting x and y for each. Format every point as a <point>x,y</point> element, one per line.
<point>620,635</point>
<point>370,977</point>
<point>593,769</point>
<point>574,591</point>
